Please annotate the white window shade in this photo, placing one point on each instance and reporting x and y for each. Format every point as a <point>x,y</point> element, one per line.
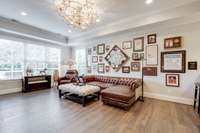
<point>16,57</point>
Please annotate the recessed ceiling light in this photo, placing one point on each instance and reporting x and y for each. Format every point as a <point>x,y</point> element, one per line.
<point>23,13</point>
<point>98,20</point>
<point>149,1</point>
<point>69,31</point>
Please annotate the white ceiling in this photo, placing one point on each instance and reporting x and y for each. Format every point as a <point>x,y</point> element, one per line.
<point>42,14</point>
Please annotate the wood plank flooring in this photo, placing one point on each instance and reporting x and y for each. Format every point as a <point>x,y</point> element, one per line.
<point>44,112</point>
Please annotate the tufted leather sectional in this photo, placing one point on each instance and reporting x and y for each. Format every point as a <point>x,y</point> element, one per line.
<point>118,91</point>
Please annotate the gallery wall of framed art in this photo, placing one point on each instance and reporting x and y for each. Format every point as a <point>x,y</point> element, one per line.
<point>156,51</point>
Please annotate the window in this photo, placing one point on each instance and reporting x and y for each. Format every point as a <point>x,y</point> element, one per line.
<point>16,57</point>
<point>11,59</point>
<point>81,61</point>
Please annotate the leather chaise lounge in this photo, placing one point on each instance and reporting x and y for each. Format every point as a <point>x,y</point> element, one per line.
<point>121,92</point>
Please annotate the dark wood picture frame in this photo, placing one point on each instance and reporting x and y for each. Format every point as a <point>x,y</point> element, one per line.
<point>176,84</point>
<point>142,44</point>
<point>99,48</point>
<point>183,61</point>
<point>89,51</point>
<point>101,68</point>
<point>135,66</point>
<point>127,43</point>
<point>94,59</point>
<point>150,71</point>
<point>107,69</point>
<point>192,65</point>
<point>173,42</point>
<point>126,69</point>
<point>101,59</point>
<point>122,63</point>
<point>152,38</point>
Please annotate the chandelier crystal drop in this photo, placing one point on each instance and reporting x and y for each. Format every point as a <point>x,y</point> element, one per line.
<point>79,13</point>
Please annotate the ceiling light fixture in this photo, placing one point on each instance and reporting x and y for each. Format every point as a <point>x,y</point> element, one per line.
<point>69,31</point>
<point>149,1</point>
<point>79,13</point>
<point>23,13</point>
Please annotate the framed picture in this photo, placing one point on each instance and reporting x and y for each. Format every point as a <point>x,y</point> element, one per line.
<point>126,69</point>
<point>107,48</point>
<point>107,69</point>
<point>101,68</point>
<point>94,59</point>
<point>174,42</point>
<point>135,56</point>
<point>151,38</point>
<point>152,55</point>
<point>94,49</point>
<point>89,69</point>
<point>192,65</point>
<point>173,61</point>
<point>135,66</point>
<point>138,44</point>
<point>116,58</point>
<point>127,45</point>
<point>100,58</point>
<point>89,51</point>
<point>100,49</point>
<point>150,71</point>
<point>172,80</point>
<point>141,56</point>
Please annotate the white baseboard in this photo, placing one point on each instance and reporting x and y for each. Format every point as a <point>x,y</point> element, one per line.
<point>8,91</point>
<point>181,100</point>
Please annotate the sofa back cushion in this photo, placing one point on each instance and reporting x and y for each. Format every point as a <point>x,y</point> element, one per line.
<point>89,78</point>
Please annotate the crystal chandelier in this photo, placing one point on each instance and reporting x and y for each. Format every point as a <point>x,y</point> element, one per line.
<point>79,13</point>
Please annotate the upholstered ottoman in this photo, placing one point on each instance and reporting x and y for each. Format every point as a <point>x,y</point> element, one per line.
<point>79,93</point>
<point>119,95</point>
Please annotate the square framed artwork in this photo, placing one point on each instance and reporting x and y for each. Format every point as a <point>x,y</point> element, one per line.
<point>101,68</point>
<point>192,65</point>
<point>94,49</point>
<point>152,38</point>
<point>126,69</point>
<point>173,80</point>
<point>127,45</point>
<point>135,56</point>
<point>94,59</point>
<point>135,66</point>
<point>100,49</point>
<point>173,61</point>
<point>152,55</point>
<point>173,42</point>
<point>138,44</point>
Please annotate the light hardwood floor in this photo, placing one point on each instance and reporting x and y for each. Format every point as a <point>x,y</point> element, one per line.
<point>44,112</point>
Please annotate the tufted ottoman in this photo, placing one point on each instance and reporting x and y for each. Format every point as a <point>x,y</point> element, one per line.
<point>79,93</point>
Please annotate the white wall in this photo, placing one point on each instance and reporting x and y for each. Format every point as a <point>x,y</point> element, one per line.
<point>155,86</point>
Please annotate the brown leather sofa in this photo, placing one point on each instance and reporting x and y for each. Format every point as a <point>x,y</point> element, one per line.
<point>121,92</point>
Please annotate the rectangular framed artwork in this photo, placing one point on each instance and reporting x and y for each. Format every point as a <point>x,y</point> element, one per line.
<point>172,80</point>
<point>173,42</point>
<point>94,59</point>
<point>100,49</point>
<point>173,61</point>
<point>152,55</point>
<point>135,66</point>
<point>138,44</point>
<point>192,65</point>
<point>151,38</point>
<point>127,45</point>
<point>101,68</point>
<point>125,69</point>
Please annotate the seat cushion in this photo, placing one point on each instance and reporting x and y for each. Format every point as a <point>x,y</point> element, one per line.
<point>119,93</point>
<point>102,85</point>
